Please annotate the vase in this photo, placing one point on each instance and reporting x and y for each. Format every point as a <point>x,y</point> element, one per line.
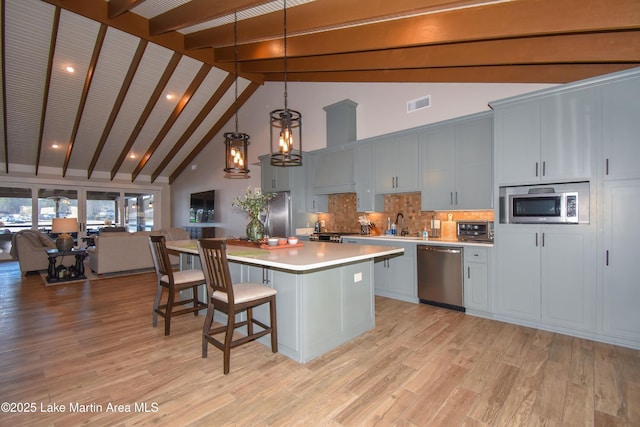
<point>255,229</point>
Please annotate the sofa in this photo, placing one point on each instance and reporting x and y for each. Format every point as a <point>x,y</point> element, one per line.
<point>29,248</point>
<point>120,251</point>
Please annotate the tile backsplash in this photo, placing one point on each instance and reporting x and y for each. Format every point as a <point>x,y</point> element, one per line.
<point>343,216</point>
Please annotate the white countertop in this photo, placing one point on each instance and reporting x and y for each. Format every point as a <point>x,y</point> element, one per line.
<point>309,256</point>
<point>412,239</point>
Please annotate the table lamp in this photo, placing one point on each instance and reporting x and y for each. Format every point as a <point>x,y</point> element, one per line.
<point>62,227</point>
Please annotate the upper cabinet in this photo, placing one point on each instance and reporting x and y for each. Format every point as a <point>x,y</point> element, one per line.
<point>274,178</point>
<point>621,124</point>
<point>366,198</point>
<point>396,163</point>
<point>547,138</point>
<point>314,202</point>
<point>456,164</point>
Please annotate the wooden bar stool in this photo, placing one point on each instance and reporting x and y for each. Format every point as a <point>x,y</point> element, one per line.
<point>173,282</point>
<point>232,299</point>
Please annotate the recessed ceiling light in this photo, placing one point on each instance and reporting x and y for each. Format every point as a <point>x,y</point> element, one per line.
<point>169,96</point>
<point>132,156</point>
<point>70,69</point>
<point>55,145</point>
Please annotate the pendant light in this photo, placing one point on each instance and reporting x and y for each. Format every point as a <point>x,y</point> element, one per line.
<point>285,124</point>
<point>236,143</point>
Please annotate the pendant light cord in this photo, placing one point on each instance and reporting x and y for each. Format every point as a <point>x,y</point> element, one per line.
<point>235,61</point>
<point>285,55</point>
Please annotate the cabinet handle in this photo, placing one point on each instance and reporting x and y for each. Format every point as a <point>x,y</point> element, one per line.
<point>606,167</point>
<point>456,197</point>
<point>451,197</point>
<point>543,240</point>
<point>265,275</point>
<point>544,168</point>
<point>468,272</point>
<point>536,239</point>
<point>536,168</point>
<point>607,257</point>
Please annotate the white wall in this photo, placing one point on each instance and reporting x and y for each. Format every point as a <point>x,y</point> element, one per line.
<point>381,110</point>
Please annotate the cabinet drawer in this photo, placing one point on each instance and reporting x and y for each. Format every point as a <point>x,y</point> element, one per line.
<point>475,254</point>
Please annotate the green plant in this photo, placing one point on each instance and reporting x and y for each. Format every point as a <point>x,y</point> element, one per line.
<point>253,202</point>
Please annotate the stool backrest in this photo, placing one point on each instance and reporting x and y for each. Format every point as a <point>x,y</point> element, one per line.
<point>213,257</point>
<point>160,256</point>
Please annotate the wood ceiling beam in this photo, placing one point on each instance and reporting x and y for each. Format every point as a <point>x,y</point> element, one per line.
<point>316,16</point>
<point>521,18</point>
<point>3,67</point>
<point>563,73</point>
<point>153,99</point>
<point>138,26</point>
<point>222,121</point>
<point>179,108</point>
<point>196,12</point>
<point>47,86</point>
<point>117,105</point>
<point>85,94</point>
<point>204,112</point>
<point>118,7</point>
<point>574,48</point>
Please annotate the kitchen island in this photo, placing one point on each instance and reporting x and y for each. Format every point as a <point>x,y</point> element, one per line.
<point>325,290</point>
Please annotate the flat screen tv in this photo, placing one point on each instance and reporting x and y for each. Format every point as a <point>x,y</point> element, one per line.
<point>202,206</point>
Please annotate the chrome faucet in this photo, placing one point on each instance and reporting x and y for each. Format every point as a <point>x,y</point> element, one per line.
<point>400,215</point>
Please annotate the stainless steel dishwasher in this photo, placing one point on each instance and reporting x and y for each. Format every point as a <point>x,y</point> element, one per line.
<point>440,276</point>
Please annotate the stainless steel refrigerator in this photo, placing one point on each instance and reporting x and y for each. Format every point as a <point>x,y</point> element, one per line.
<point>278,216</point>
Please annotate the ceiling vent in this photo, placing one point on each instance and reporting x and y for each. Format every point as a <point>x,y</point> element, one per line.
<point>419,104</point>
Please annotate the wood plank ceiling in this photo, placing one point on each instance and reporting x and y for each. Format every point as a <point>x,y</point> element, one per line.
<point>153,81</point>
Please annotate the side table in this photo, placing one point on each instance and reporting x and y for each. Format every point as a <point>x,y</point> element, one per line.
<point>77,270</point>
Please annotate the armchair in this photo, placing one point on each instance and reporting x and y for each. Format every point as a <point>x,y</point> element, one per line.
<point>28,247</point>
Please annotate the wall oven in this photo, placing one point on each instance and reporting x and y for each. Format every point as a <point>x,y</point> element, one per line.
<point>564,203</point>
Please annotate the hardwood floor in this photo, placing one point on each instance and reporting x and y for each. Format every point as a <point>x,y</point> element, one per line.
<point>92,344</point>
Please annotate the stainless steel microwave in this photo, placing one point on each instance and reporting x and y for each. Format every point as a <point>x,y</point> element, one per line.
<point>565,203</point>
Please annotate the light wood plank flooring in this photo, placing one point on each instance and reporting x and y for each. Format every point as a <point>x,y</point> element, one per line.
<point>92,344</point>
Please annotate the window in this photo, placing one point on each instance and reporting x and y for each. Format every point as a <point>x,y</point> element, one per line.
<point>138,212</point>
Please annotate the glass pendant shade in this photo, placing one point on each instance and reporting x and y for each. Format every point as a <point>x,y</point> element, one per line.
<point>236,155</point>
<point>286,132</point>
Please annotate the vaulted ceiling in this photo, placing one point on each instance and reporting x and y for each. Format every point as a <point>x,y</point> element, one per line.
<point>153,81</point>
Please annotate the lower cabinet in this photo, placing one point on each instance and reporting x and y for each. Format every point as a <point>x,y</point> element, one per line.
<point>619,286</point>
<point>476,280</point>
<point>395,276</point>
<point>546,275</point>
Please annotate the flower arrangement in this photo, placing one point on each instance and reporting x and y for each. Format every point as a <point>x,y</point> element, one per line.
<point>254,201</point>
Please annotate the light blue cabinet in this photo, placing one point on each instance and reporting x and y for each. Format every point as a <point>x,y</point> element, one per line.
<point>476,280</point>
<point>456,164</point>
<point>621,125</point>
<point>366,198</point>
<point>547,138</point>
<point>546,274</point>
<point>314,202</point>
<point>396,163</point>
<point>394,276</point>
<point>619,288</point>
<point>274,178</point>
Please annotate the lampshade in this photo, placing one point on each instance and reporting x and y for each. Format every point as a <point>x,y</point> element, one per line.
<point>286,124</point>
<point>63,226</point>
